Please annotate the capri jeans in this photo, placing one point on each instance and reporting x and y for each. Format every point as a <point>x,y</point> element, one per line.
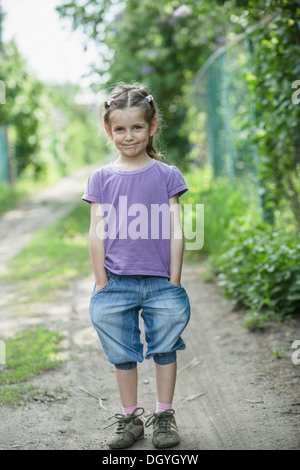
<point>114,311</point>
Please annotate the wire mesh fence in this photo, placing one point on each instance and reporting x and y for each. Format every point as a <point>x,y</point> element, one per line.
<point>223,94</point>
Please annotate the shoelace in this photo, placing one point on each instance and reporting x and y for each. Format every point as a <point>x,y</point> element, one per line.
<point>163,419</point>
<point>123,420</point>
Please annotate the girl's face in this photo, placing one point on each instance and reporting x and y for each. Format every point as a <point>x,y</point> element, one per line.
<point>130,131</point>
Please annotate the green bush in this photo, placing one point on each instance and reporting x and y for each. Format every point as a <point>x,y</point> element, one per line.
<point>260,269</point>
<point>223,199</point>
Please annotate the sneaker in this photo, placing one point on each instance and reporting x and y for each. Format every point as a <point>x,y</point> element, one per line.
<point>129,429</point>
<point>165,431</point>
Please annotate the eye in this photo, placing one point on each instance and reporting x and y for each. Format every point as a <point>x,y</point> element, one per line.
<point>138,127</point>
<point>119,129</point>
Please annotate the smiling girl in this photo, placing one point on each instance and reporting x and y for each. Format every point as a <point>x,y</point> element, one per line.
<point>138,273</point>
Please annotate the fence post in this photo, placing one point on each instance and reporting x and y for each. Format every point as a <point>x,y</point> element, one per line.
<point>4,169</point>
<point>214,119</point>
<point>227,116</point>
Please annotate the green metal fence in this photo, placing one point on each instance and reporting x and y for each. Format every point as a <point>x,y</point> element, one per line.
<point>223,93</point>
<point>4,167</point>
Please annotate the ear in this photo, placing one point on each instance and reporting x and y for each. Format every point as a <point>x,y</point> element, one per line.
<point>108,130</point>
<point>153,127</point>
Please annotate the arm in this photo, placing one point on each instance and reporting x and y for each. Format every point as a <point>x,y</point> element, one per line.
<point>176,241</point>
<point>96,238</point>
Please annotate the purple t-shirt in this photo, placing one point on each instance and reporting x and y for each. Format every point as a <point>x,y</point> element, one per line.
<point>137,215</point>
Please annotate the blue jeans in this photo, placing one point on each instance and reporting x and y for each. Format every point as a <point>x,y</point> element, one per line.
<point>114,312</point>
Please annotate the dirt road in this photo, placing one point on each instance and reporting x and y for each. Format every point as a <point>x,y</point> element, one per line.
<point>234,390</point>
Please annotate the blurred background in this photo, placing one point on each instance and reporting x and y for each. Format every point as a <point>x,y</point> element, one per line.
<point>226,76</point>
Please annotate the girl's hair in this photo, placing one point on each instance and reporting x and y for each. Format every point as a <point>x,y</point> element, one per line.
<point>125,96</point>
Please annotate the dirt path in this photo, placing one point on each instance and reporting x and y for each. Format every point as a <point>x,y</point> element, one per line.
<point>232,392</point>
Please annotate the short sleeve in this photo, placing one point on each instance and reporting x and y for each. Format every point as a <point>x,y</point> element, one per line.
<point>92,191</point>
<point>176,183</point>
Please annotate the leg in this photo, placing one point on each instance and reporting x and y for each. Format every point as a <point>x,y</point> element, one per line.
<point>130,427</point>
<point>165,381</point>
<point>127,381</point>
<point>165,314</point>
<point>114,313</point>
<point>165,431</point>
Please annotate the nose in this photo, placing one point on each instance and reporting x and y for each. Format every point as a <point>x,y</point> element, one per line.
<point>129,135</point>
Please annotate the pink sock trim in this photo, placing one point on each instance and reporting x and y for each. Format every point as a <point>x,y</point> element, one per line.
<point>163,406</point>
<point>129,410</point>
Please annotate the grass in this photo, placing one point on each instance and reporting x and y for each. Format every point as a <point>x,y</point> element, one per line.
<point>25,185</point>
<point>28,353</point>
<point>55,256</point>
<point>10,196</point>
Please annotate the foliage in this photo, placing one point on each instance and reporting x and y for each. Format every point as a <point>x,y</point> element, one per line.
<point>274,70</point>
<point>23,92</point>
<point>224,200</point>
<point>49,132</point>
<point>260,268</point>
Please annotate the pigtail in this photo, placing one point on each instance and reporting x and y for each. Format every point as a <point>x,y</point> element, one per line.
<point>151,147</point>
<point>152,152</point>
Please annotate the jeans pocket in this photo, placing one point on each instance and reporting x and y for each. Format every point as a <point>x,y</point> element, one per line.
<point>104,287</point>
<point>180,287</point>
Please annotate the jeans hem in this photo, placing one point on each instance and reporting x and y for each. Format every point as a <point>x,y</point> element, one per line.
<point>126,366</point>
<point>163,359</point>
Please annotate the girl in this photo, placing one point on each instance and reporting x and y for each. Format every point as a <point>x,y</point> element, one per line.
<point>136,246</point>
